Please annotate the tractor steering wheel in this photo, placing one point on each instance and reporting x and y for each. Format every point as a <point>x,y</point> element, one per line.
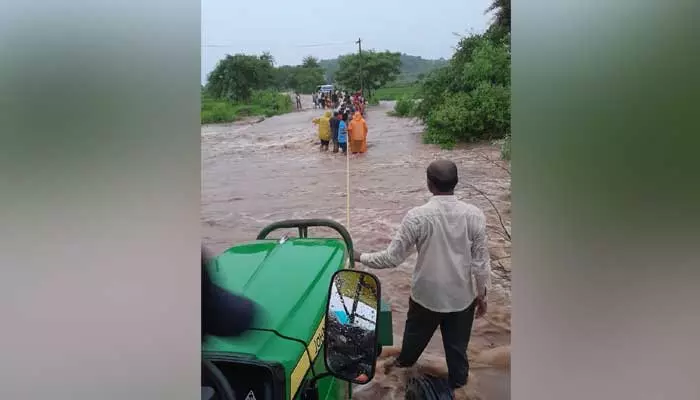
<point>214,383</point>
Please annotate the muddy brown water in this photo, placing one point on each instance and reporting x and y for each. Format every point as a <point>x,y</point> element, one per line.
<point>255,173</point>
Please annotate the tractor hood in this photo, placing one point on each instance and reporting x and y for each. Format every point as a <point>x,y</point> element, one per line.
<point>289,280</point>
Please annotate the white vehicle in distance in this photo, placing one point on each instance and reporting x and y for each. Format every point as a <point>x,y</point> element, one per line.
<point>325,88</point>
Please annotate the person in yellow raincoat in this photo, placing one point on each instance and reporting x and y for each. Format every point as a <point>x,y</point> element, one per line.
<point>324,129</point>
<point>358,134</point>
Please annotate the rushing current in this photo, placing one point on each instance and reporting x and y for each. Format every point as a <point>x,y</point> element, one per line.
<point>257,172</point>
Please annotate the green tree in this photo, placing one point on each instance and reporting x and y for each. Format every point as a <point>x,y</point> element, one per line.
<point>501,18</point>
<point>308,79</point>
<point>469,99</point>
<point>310,62</point>
<point>298,78</point>
<point>378,69</point>
<point>236,77</point>
<point>286,77</point>
<point>266,56</point>
<point>309,75</point>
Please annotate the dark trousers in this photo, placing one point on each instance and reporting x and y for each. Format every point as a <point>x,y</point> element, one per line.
<point>456,329</point>
<point>334,139</point>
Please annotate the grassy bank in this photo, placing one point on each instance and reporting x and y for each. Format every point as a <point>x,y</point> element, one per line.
<point>264,103</point>
<point>396,92</point>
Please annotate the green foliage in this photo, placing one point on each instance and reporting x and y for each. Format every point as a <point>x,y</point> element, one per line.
<point>431,91</point>
<point>303,78</point>
<point>411,70</point>
<point>215,111</point>
<point>310,62</point>
<point>469,99</point>
<point>272,103</point>
<point>404,107</point>
<point>236,77</point>
<point>483,113</point>
<point>266,103</point>
<point>308,79</point>
<point>501,18</point>
<point>378,69</point>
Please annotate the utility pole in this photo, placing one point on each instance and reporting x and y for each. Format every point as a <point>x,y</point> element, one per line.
<point>359,45</point>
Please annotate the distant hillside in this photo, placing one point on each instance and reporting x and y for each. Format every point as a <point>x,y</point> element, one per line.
<point>411,67</point>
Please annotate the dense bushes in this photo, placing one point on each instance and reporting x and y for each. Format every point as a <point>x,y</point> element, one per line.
<point>482,113</point>
<point>214,111</point>
<point>267,103</point>
<point>272,103</point>
<point>469,99</point>
<point>404,107</point>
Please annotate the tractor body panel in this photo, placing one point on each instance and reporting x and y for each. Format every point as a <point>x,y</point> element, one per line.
<point>289,280</point>
<point>385,330</point>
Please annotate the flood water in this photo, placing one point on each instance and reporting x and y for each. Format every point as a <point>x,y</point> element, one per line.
<point>257,173</point>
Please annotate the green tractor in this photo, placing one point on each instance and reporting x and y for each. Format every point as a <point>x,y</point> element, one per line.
<point>314,304</point>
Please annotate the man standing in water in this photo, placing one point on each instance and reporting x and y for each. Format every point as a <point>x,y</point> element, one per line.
<point>334,99</point>
<point>451,240</point>
<point>335,123</point>
<point>297,96</point>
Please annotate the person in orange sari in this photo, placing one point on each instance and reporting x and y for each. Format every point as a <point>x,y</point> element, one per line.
<point>358,134</point>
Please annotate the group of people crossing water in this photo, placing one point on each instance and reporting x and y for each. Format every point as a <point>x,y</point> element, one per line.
<point>337,99</point>
<point>342,131</point>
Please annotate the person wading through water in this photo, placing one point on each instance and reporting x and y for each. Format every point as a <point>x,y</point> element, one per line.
<point>358,134</point>
<point>334,123</point>
<point>334,99</point>
<point>451,240</point>
<point>343,133</point>
<point>324,129</point>
<point>297,96</point>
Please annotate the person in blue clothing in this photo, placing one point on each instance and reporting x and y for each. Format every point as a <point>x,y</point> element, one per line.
<point>343,133</point>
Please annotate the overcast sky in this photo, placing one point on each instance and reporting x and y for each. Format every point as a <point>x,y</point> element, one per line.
<point>291,30</point>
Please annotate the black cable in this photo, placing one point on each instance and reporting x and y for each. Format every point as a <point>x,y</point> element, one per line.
<point>306,347</point>
<point>222,389</point>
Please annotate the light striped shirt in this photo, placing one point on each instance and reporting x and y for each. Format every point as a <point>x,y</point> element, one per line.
<point>453,256</point>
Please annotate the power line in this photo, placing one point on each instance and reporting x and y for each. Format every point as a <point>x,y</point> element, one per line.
<point>298,45</point>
